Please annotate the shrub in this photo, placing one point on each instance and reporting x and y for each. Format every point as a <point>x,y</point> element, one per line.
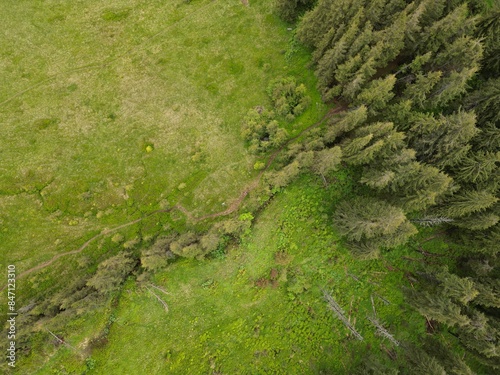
<point>156,256</point>
<point>112,272</point>
<point>262,132</point>
<point>289,99</point>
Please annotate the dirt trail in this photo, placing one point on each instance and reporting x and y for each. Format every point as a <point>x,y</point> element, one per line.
<point>87,243</point>
<point>232,207</point>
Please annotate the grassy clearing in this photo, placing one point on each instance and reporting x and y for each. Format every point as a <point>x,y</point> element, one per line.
<point>148,97</point>
<point>260,309</point>
<point>109,108</point>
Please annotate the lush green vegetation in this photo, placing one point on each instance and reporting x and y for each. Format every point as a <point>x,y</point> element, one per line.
<point>113,112</point>
<point>143,99</point>
<point>257,307</point>
<point>177,198</point>
<point>422,130</point>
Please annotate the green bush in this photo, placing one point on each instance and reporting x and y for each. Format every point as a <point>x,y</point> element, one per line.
<point>262,131</point>
<point>289,99</point>
<point>112,272</point>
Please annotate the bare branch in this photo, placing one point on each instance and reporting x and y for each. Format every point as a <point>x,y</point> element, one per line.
<point>340,314</point>
<point>159,299</point>
<point>373,305</point>
<point>324,180</point>
<point>355,277</point>
<point>61,341</point>
<point>160,289</point>
<point>382,298</point>
<point>382,331</point>
<point>432,221</point>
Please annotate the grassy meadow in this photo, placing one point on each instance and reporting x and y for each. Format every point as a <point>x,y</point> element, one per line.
<point>259,309</point>
<point>110,111</point>
<point>113,110</point>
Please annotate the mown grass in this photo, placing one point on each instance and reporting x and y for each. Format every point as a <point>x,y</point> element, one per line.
<point>260,309</point>
<point>108,108</point>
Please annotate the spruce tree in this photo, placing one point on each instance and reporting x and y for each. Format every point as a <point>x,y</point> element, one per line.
<point>344,73</point>
<point>421,363</point>
<point>486,102</point>
<point>363,249</point>
<point>330,60</point>
<point>361,44</point>
<point>378,129</point>
<point>389,41</point>
<point>366,218</point>
<point>478,220</point>
<point>327,160</point>
<point>450,87</point>
<point>443,141</point>
<point>460,289</point>
<point>467,202</point>
<point>417,186</point>
<point>327,13</point>
<point>348,121</point>
<point>328,41</point>
<point>419,90</point>
<point>373,364</point>
<point>421,15</point>
<point>351,147</point>
<point>283,177</point>
<point>112,272</point>
<point>290,10</point>
<point>378,140</point>
<point>488,28</point>
<point>351,86</point>
<point>453,300</point>
<point>482,338</point>
<point>477,167</point>
<point>485,241</point>
<point>376,178</point>
<point>377,94</point>
<point>447,358</point>
<point>489,138</point>
<point>488,288</point>
<point>398,237</point>
<point>369,248</point>
<point>435,305</point>
<point>156,256</point>
<point>464,52</point>
<point>442,31</point>
<point>432,10</point>
<point>366,155</point>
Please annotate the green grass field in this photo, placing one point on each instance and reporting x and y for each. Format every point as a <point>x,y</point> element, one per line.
<point>258,310</point>
<point>113,110</point>
<point>107,108</point>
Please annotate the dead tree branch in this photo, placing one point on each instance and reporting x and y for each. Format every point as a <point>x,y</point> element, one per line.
<point>324,180</point>
<point>159,299</point>
<point>382,331</point>
<point>355,277</point>
<point>160,289</point>
<point>340,314</point>
<point>383,299</point>
<point>59,340</point>
<point>373,305</point>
